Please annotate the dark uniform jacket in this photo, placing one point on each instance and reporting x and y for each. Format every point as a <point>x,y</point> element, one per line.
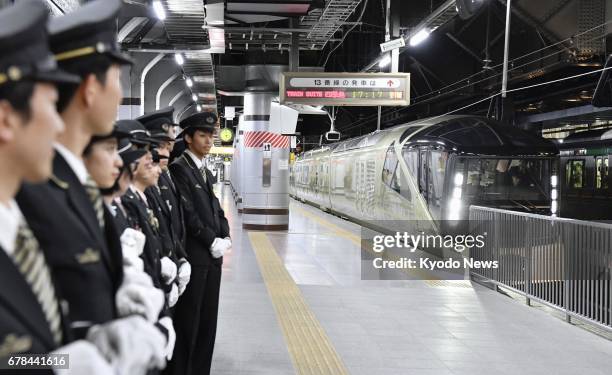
<point>23,327</point>
<point>143,219</point>
<point>204,217</point>
<point>85,260</point>
<point>162,213</point>
<point>169,194</point>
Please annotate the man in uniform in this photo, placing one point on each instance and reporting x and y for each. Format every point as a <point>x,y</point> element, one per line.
<point>165,196</point>
<point>207,241</point>
<point>67,214</point>
<point>32,318</point>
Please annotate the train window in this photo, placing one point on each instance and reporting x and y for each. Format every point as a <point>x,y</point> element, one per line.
<point>411,156</point>
<point>601,172</point>
<point>437,171</point>
<point>575,174</point>
<point>390,165</point>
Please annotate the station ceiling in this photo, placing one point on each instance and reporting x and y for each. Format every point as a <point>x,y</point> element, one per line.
<point>216,37</point>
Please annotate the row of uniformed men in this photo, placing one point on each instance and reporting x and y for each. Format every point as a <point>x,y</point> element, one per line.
<point>107,253</point>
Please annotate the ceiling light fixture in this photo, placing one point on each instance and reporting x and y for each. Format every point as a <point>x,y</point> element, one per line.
<point>419,37</point>
<point>179,59</point>
<point>189,82</point>
<point>160,12</point>
<point>386,60</point>
<point>194,97</point>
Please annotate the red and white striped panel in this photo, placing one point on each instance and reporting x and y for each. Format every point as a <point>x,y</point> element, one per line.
<point>258,138</point>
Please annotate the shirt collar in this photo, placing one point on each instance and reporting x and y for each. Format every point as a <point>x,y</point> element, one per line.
<point>198,162</point>
<point>10,218</point>
<point>140,194</point>
<point>75,162</point>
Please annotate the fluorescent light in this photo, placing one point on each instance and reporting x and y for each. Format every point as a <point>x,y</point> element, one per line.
<point>553,207</point>
<point>419,37</point>
<point>189,82</point>
<point>553,180</point>
<point>199,108</point>
<point>160,12</point>
<point>386,60</point>
<point>459,179</point>
<point>194,97</point>
<point>179,59</point>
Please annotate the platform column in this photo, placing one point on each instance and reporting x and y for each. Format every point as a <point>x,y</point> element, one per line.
<point>239,160</point>
<point>265,173</point>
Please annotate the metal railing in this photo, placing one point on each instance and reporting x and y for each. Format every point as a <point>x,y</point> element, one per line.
<point>563,263</point>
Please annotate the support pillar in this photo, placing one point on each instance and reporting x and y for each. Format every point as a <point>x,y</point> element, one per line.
<point>265,174</point>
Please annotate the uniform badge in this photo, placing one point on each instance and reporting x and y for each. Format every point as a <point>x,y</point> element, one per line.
<point>163,187</point>
<point>15,344</point>
<point>153,220</point>
<point>88,256</point>
<point>198,186</point>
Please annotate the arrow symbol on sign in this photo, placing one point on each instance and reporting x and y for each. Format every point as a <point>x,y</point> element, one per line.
<point>390,83</point>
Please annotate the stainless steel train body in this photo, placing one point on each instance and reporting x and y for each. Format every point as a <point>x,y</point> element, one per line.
<point>429,171</point>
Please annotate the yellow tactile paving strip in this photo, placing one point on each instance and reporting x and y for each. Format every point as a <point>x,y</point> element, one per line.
<point>310,349</point>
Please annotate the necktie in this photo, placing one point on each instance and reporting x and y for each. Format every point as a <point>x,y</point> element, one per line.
<point>96,199</point>
<point>203,172</point>
<point>31,263</point>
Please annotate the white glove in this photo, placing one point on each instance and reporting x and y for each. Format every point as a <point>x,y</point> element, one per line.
<point>219,247</point>
<point>168,270</point>
<point>84,358</point>
<point>166,322</point>
<point>131,345</point>
<point>137,295</point>
<point>173,295</point>
<point>184,275</point>
<point>132,245</point>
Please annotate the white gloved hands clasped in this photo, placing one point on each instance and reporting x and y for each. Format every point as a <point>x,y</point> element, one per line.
<point>132,245</point>
<point>220,246</point>
<point>131,345</point>
<point>166,322</point>
<point>168,270</point>
<point>84,358</point>
<point>173,295</point>
<point>184,275</point>
<point>137,295</point>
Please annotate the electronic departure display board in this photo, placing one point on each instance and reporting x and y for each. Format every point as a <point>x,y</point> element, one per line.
<point>350,89</point>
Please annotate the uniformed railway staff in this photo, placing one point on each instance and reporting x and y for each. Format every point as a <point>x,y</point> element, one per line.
<point>169,209</point>
<point>32,318</point>
<point>207,241</point>
<point>67,215</point>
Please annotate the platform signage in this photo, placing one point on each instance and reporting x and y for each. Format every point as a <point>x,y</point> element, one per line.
<point>392,44</point>
<point>348,89</point>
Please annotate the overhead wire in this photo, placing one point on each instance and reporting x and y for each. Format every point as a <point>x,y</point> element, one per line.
<point>512,90</point>
<point>365,5</point>
<point>440,91</point>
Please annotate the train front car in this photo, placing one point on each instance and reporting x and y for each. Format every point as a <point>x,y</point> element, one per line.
<point>430,171</point>
<point>464,160</point>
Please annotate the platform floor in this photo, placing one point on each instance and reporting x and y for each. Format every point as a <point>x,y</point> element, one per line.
<point>294,303</point>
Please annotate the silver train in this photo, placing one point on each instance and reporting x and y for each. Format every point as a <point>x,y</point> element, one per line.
<point>430,171</point>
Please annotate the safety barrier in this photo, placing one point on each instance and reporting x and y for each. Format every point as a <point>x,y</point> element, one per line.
<point>563,263</point>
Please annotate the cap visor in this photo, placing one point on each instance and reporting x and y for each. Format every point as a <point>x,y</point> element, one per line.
<point>131,156</point>
<point>56,76</point>
<point>123,59</point>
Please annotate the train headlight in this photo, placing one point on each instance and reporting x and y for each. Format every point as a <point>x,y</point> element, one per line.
<point>553,207</point>
<point>458,179</point>
<point>456,193</point>
<point>553,181</point>
<point>554,194</point>
<point>454,208</point>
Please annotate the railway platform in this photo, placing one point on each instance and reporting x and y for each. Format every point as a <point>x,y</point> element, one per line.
<point>293,302</point>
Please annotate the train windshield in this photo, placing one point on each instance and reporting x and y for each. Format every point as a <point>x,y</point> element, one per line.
<point>517,183</point>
